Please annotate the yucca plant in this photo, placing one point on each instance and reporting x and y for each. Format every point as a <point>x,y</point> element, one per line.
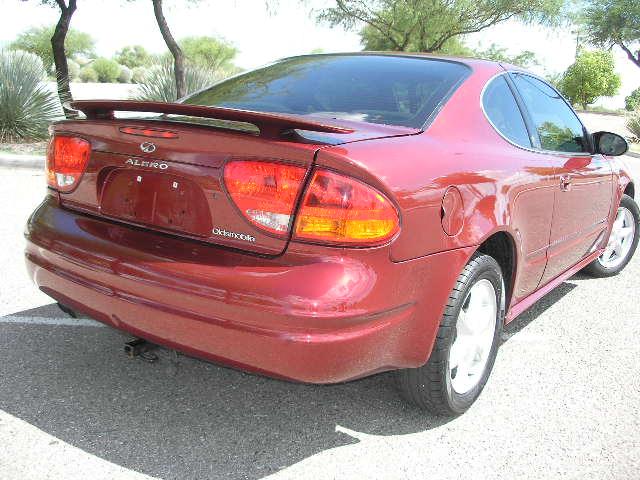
<point>27,106</point>
<point>633,125</point>
<point>159,83</point>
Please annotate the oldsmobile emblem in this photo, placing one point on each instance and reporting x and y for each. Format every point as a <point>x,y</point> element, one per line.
<point>148,147</point>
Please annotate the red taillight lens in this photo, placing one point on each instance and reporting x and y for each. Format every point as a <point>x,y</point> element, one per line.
<point>67,157</point>
<point>340,209</point>
<point>264,192</point>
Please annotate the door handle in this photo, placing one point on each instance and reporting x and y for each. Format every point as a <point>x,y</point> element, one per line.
<point>565,183</point>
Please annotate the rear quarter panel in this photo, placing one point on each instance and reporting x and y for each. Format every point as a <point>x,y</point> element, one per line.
<point>503,187</point>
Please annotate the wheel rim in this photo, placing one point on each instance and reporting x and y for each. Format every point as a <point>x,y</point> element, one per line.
<point>620,240</point>
<point>475,329</point>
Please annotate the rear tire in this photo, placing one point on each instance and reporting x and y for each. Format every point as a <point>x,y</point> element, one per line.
<point>459,366</point>
<point>627,220</point>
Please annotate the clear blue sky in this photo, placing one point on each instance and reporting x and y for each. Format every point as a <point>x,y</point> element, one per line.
<point>262,35</point>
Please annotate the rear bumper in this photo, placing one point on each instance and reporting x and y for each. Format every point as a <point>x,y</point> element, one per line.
<point>315,314</point>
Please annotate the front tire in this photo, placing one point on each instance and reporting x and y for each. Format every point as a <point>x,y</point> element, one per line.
<point>622,242</point>
<point>466,344</point>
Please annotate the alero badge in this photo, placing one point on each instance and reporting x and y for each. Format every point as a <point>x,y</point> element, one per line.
<point>145,163</point>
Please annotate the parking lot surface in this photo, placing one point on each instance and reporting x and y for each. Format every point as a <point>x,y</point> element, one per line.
<point>562,401</point>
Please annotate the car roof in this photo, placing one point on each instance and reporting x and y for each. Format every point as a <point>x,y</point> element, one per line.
<point>469,61</point>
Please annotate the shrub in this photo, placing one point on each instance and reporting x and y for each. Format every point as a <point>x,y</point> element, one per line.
<point>632,102</point>
<point>27,106</point>
<point>633,125</point>
<point>88,74</point>
<point>133,56</point>
<point>125,74</point>
<point>106,69</point>
<point>74,70</point>
<point>160,83</point>
<point>138,74</point>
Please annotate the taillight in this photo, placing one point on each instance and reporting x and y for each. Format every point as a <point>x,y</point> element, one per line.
<point>340,209</point>
<point>67,157</point>
<point>264,192</point>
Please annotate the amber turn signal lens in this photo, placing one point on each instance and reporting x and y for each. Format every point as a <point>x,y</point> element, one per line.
<point>342,210</point>
<point>67,158</point>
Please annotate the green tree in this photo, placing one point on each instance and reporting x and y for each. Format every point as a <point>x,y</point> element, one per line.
<point>58,39</point>
<point>372,40</point>
<point>133,56</point>
<point>632,102</point>
<point>524,59</point>
<point>614,22</point>
<point>592,76</point>
<point>38,40</point>
<point>432,25</point>
<point>209,52</point>
<point>172,45</point>
<point>106,69</point>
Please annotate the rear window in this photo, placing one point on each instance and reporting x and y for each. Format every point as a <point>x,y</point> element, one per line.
<point>390,90</point>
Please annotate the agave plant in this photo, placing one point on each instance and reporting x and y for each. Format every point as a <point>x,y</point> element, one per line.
<point>27,106</point>
<point>159,83</point>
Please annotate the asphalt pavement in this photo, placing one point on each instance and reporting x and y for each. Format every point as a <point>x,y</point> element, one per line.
<point>562,401</point>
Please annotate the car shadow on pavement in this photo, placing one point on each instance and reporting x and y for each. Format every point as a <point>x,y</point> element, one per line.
<point>184,418</point>
<point>536,310</point>
<point>181,418</point>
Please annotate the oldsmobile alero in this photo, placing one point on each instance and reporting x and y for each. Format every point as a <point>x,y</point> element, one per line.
<point>328,217</point>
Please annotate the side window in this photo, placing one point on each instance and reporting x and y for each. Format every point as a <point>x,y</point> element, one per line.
<point>557,125</point>
<point>501,108</point>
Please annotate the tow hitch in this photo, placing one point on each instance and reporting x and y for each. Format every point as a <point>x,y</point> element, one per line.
<point>139,347</point>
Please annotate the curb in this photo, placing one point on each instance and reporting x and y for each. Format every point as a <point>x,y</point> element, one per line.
<point>611,114</point>
<point>21,161</point>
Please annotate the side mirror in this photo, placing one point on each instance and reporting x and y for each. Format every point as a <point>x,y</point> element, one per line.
<point>608,143</point>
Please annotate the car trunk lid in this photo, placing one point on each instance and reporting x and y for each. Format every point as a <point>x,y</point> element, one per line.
<point>168,175</point>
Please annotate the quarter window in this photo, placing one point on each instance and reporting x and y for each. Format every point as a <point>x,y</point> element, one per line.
<point>503,112</point>
<point>557,125</point>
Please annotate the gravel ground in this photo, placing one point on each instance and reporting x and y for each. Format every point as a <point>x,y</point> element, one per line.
<point>561,403</point>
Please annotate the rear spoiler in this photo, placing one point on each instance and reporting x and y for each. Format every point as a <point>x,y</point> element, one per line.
<point>272,125</point>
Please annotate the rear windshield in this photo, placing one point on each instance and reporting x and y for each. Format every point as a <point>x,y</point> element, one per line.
<point>391,90</point>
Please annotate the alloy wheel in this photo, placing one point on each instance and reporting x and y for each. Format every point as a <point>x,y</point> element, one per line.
<point>475,329</point>
<point>620,240</point>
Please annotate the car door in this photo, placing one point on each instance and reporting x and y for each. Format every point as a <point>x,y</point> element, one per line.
<point>584,180</point>
<point>533,183</point>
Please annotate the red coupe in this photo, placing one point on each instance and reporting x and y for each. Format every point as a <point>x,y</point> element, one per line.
<point>328,217</point>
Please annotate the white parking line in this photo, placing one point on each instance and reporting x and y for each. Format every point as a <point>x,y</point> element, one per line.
<point>67,322</point>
